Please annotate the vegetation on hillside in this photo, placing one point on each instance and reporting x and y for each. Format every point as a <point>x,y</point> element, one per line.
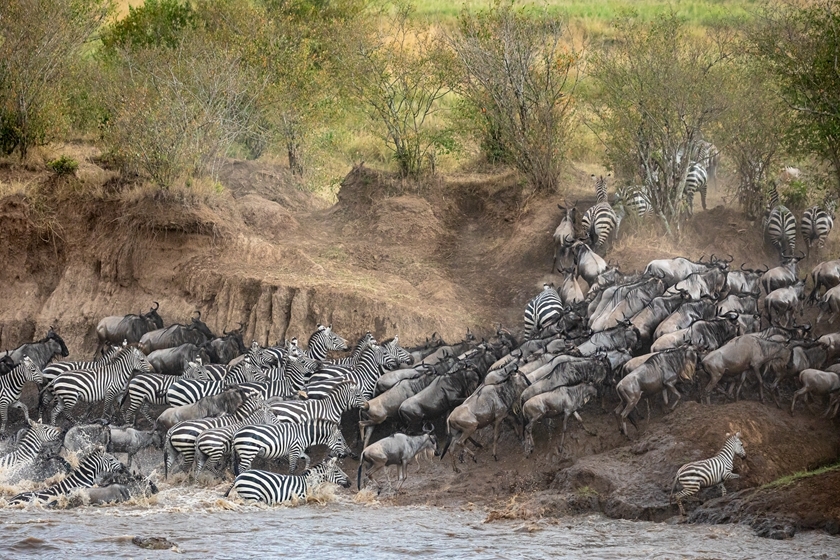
<point>169,88</point>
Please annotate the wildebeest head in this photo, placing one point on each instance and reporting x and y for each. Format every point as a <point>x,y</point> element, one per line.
<point>199,325</point>
<point>153,316</point>
<point>52,335</point>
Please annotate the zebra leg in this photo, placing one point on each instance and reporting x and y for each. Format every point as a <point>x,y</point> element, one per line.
<point>57,409</point>
<point>722,489</point>
<point>4,416</point>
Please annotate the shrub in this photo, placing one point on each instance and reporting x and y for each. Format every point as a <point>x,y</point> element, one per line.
<point>63,166</point>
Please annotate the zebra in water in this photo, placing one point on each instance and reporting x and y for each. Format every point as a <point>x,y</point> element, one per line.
<point>11,386</point>
<point>90,471</point>
<point>181,438</point>
<point>285,439</point>
<point>29,447</point>
<point>815,226</point>
<point>271,488</point>
<point>695,180</point>
<point>600,220</point>
<point>104,382</point>
<point>344,396</point>
<point>545,309</point>
<point>147,389</point>
<point>708,472</point>
<point>365,374</point>
<point>780,226</point>
<point>187,391</point>
<point>55,369</point>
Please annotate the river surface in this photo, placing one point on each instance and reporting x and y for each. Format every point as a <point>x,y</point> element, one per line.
<point>208,526</point>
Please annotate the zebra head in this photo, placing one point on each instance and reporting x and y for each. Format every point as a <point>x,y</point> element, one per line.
<point>330,339</point>
<point>400,354</point>
<point>329,471</point>
<point>137,360</point>
<point>737,445</point>
<point>42,432</point>
<point>337,445</point>
<point>384,358</point>
<point>31,371</point>
<point>259,355</point>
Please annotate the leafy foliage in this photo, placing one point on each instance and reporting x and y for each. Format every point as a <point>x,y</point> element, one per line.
<point>63,166</point>
<point>156,23</point>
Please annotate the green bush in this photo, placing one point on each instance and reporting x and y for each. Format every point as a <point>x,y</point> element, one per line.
<point>63,166</point>
<point>154,24</point>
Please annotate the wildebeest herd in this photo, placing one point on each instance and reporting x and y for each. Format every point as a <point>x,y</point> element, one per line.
<point>601,335</point>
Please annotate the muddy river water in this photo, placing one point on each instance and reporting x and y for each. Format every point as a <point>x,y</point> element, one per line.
<point>204,525</point>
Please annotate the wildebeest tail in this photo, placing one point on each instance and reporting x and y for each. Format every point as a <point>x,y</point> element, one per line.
<point>359,473</point>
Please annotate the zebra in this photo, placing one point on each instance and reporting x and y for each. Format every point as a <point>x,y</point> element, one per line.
<point>815,226</point>
<point>89,472</point>
<point>780,226</point>
<point>273,441</point>
<point>29,447</point>
<point>709,156</point>
<point>599,220</point>
<point>148,389</point>
<point>322,341</point>
<point>695,180</point>
<point>708,472</point>
<point>271,488</point>
<point>284,382</point>
<point>344,396</point>
<point>543,310</point>
<point>181,438</point>
<point>55,369</point>
<point>262,357</point>
<point>106,381</point>
<point>373,360</point>
<point>214,444</point>
<point>634,199</point>
<point>11,386</point>
<point>364,342</point>
<point>187,391</point>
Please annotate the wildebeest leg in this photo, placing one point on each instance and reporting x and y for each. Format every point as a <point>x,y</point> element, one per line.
<point>585,429</point>
<point>478,445</point>
<point>368,432</point>
<point>715,377</point>
<point>757,374</point>
<point>677,395</point>
<point>496,436</point>
<point>401,475</point>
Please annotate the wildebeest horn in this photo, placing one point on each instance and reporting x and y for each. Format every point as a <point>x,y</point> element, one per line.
<point>745,269</point>
<point>428,428</point>
<point>156,307</point>
<point>241,325</point>
<point>224,332</point>
<point>731,258</point>
<point>197,312</point>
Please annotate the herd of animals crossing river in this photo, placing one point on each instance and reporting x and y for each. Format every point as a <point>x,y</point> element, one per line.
<point>679,327</point>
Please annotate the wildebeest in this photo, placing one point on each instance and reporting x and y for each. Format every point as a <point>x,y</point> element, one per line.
<point>654,313</point>
<point>659,374</point>
<point>626,303</point>
<point>398,449</point>
<point>173,361</point>
<point>114,330</point>
<point>564,237</point>
<point>225,402</point>
<point>41,352</point>
<point>740,355</point>
<point>98,495</point>
<point>816,382</point>
<point>226,347</point>
<point>830,303</point>
<point>744,282</point>
<point>387,404</point>
<point>570,290</point>
<point>739,304</point>
<point>781,276</point>
<point>623,337</point>
<point>781,303</point>
<point>489,404</point>
<point>674,270</point>
<point>701,284</point>
<point>588,263</point>
<point>686,314</point>
<point>824,275</point>
<point>574,371</point>
<point>195,332</point>
<point>708,335</point>
<point>562,400</point>
<point>130,441</point>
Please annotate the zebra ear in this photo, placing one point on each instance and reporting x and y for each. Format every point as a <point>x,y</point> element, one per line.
<point>737,434</point>
<point>728,434</point>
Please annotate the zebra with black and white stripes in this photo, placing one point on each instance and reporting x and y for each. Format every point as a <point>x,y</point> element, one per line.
<point>272,488</point>
<point>364,342</point>
<point>815,226</point>
<point>780,226</point>
<point>323,341</point>
<point>373,361</point>
<point>103,382</point>
<point>147,389</point>
<point>55,369</point>
<point>285,382</point>
<point>634,199</point>
<point>543,310</point>
<point>285,439</point>
<point>188,391</point>
<point>695,180</point>
<point>181,438</point>
<point>344,396</point>
<point>600,220</point>
<point>11,386</point>
<point>89,472</point>
<point>708,472</point>
<point>29,446</point>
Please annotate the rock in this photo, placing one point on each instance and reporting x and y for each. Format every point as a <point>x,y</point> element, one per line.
<point>774,529</point>
<point>154,543</point>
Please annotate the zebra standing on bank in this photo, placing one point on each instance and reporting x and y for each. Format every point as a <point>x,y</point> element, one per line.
<point>187,391</point>
<point>708,472</point>
<point>365,374</point>
<point>344,396</point>
<point>103,382</point>
<point>274,441</point>
<point>815,226</point>
<point>780,226</point>
<point>695,180</point>
<point>600,220</point>
<point>90,471</point>
<point>148,389</point>
<point>272,488</point>
<point>11,386</point>
<point>29,447</point>
<point>543,310</point>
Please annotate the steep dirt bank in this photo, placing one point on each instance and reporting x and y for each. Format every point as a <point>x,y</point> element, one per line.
<point>469,252</point>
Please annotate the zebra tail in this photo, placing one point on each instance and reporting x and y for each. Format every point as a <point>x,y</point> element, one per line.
<point>229,489</point>
<point>167,450</point>
<point>673,487</point>
<point>235,459</point>
<point>359,473</point>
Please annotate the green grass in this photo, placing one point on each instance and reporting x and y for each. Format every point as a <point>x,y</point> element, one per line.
<point>791,478</point>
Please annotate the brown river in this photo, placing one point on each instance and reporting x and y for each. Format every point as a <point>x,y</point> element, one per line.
<point>203,525</point>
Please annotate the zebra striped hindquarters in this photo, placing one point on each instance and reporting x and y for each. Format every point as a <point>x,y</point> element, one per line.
<point>89,472</point>
<point>372,362</point>
<point>11,386</point>
<point>598,223</point>
<point>29,447</point>
<point>274,488</point>
<point>695,180</point>
<point>344,396</point>
<point>708,472</point>
<point>286,440</point>
<point>780,230</point>
<point>545,309</point>
<point>815,226</point>
<point>189,391</point>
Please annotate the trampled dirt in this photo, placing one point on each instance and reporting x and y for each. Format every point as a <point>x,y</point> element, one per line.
<point>464,251</point>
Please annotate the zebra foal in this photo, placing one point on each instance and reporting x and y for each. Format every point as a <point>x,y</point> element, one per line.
<point>708,472</point>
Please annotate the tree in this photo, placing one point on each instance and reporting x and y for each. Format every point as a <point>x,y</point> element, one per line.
<point>801,44</point>
<point>520,78</point>
<point>399,72</point>
<point>38,42</point>
<point>658,89</point>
